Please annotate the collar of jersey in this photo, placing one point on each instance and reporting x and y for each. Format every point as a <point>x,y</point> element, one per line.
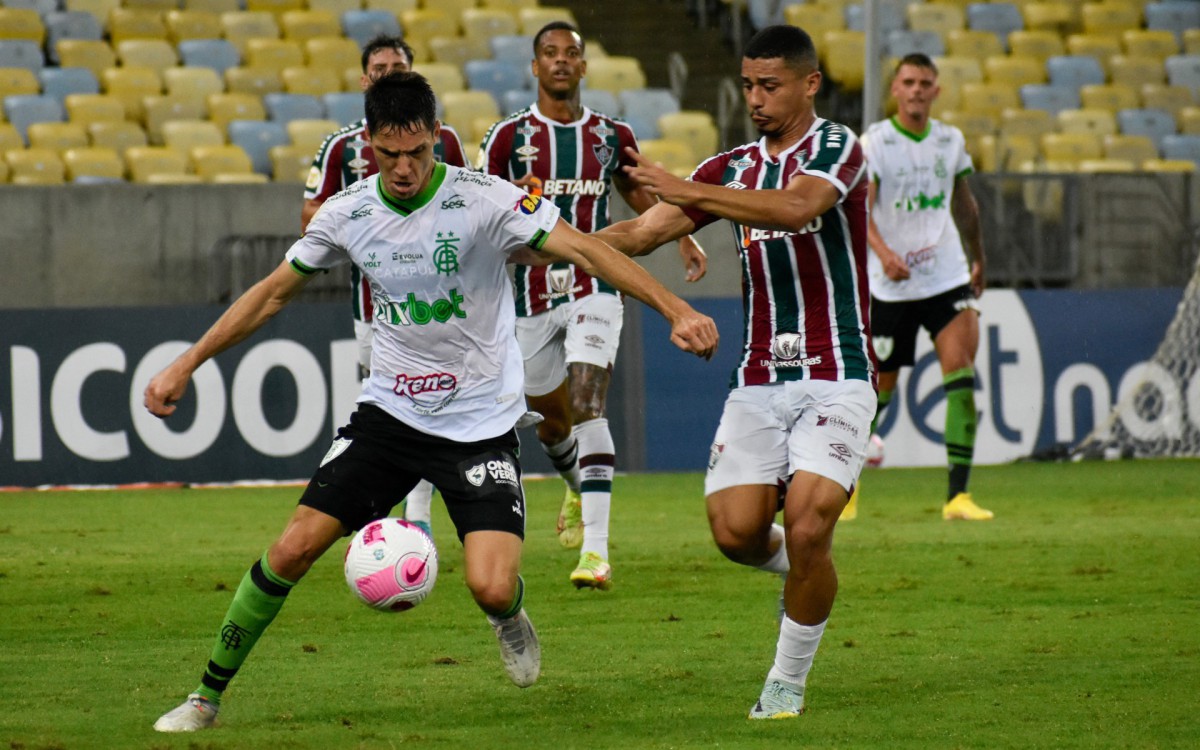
<point>406,207</point>
<point>783,155</point>
<point>583,117</point>
<point>918,137</point>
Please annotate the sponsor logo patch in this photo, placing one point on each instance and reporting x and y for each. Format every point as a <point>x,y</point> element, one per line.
<point>528,204</point>
<point>453,202</point>
<point>837,422</point>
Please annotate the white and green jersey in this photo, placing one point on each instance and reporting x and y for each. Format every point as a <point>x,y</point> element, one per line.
<point>914,176</point>
<point>445,359</point>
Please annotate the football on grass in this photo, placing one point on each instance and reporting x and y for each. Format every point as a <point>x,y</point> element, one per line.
<point>391,565</point>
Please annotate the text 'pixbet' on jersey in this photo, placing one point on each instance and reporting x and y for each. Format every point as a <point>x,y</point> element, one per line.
<point>413,311</point>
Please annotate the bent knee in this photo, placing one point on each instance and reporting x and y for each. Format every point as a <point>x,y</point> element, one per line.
<point>492,595</point>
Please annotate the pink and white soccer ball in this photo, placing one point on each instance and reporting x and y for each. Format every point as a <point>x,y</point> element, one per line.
<point>875,450</point>
<point>391,565</point>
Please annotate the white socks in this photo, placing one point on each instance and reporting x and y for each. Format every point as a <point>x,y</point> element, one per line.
<point>779,561</point>
<point>565,457</point>
<point>419,504</point>
<point>795,650</point>
<point>596,462</point>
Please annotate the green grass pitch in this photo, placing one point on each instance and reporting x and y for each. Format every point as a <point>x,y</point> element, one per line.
<point>1070,621</point>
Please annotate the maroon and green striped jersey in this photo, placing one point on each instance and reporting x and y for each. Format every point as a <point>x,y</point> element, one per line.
<point>805,293</point>
<point>574,164</point>
<point>345,158</point>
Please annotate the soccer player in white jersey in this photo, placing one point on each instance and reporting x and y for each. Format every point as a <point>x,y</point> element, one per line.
<point>923,216</point>
<point>444,393</point>
<point>802,395</point>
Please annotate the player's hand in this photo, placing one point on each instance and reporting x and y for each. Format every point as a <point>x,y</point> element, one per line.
<point>695,333</point>
<point>894,266</point>
<point>977,281</point>
<point>657,180</point>
<point>530,184</point>
<point>695,260</point>
<point>164,390</point>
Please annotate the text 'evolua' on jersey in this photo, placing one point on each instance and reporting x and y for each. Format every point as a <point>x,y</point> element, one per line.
<point>804,293</point>
<point>573,165</point>
<point>445,358</point>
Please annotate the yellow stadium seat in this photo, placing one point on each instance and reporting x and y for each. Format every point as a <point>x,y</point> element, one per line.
<point>161,110</point>
<point>239,178</point>
<point>184,135</point>
<point>1094,121</point>
<point>1136,71</point>
<point>695,128</point>
<point>156,54</point>
<point>4,170</point>
<point>815,19</point>
<point>615,73</point>
<point>35,166</point>
<point>352,79</point>
<point>307,80</point>
<point>463,108</point>
<point>1173,99</point>
<point>458,50</point>
<point>192,81</point>
<point>1055,17</point>
<point>302,25</point>
<point>1014,71</point>
<point>117,135</point>
<point>93,162</point>
<point>1003,153</point>
<point>1149,43</point>
<point>1026,122</point>
<point>1169,165</point>
<point>1191,41</point>
<point>940,18</point>
<point>1188,121</point>
<point>953,72</point>
<point>310,134</point>
<point>972,124</point>
<point>395,7</point>
<point>254,81</point>
<point>56,136</point>
<point>1071,148</point>
<point>1110,17</point>
<point>336,7</point>
<point>1036,45</point>
<point>426,24</point>
<point>442,77</point>
<point>844,61</point>
<point>89,108</point>
<point>153,163</point>
<point>275,7</point>
<point>94,54</point>
<point>334,53</point>
<point>100,9</point>
<point>154,5</point>
<point>241,26</point>
<point>1100,46</point>
<point>1111,96</point>
<point>192,24</point>
<point>291,164</point>
<point>234,106</point>
<point>10,138</point>
<point>452,8</point>
<point>675,156</point>
<point>512,6</point>
<point>274,54</point>
<point>131,85</point>
<point>485,23</point>
<point>1134,148</point>
<point>973,43</point>
<point>129,23</point>
<point>14,81</point>
<point>22,23</point>
<point>213,6</point>
<point>1092,166</point>
<point>212,160</point>
<point>988,98</point>
<point>535,17</point>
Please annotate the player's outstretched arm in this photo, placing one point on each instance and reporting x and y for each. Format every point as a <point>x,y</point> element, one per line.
<point>690,331</point>
<point>641,235</point>
<point>245,316</point>
<point>695,260</point>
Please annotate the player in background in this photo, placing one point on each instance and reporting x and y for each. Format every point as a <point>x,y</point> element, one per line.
<point>802,396</point>
<point>345,158</point>
<point>569,324</point>
<point>923,215</point>
<point>444,391</point>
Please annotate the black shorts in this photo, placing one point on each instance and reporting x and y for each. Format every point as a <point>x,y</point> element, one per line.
<point>894,325</point>
<point>377,459</point>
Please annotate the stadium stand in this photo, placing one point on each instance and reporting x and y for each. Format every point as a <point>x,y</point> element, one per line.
<point>1153,123</point>
<point>343,106</point>
<point>364,25</point>
<point>117,135</point>
<point>158,164</point>
<point>69,24</point>
<point>21,53</point>
<point>1181,147</point>
<point>1049,97</point>
<point>57,136</point>
<point>35,166</point>
<point>218,54</point>
<point>285,107</point>
<point>211,161</point>
<point>25,109</point>
<point>496,77</point>
<point>160,110</point>
<point>1000,18</point>
<point>59,82</point>
<point>93,164</point>
<point>257,138</point>
<point>642,107</point>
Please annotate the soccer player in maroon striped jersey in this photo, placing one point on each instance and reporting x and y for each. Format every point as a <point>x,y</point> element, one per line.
<point>569,323</point>
<point>803,394</point>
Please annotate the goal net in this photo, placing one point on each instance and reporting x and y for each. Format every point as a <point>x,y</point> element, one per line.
<point>1157,413</point>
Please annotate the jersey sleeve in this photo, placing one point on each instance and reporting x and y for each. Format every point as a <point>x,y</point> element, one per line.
<point>836,157</point>
<point>324,177</point>
<point>320,248</point>
<point>711,172</point>
<point>496,150</point>
<point>626,139</point>
<point>513,218</point>
<point>452,148</point>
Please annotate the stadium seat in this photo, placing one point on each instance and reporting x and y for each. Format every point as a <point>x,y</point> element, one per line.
<point>26,109</point>
<point>19,81</point>
<point>845,68</point>
<point>695,128</point>
<point>1188,120</point>
<point>253,81</point>
<point>160,110</point>
<point>241,26</point>
<point>987,98</point>
<point>92,164</point>
<point>442,77</point>
<point>94,54</point>
<point>364,25</point>
<point>184,135</point>
<point>343,106</point>
<point>1048,97</point>
<point>156,54</point>
<point>130,85</point>
<point>35,166</point>
<point>1134,148</point>
<point>675,156</point>
<point>890,17</point>
<point>4,169</point>
<point>511,6</point>
<point>1102,165</point>
<point>218,54</point>
<point>424,24</point>
<point>1014,71</point>
<point>89,108</point>
<point>99,9</point>
<point>1071,147</point>
<point>290,164</point>
<point>1095,121</point>
<point>41,7</point>
<point>285,107</point>
<point>974,43</point>
<point>192,24</point>
<point>1172,16</point>
<point>464,108</point>
<point>275,7</point>
<point>494,76</point>
<point>222,108</point>
<point>597,100</point>
<point>257,138</point>
<point>273,54</point>
<point>1110,96</point>
<point>532,18</point>
<point>336,7</point>
<point>516,48</point>
<point>211,160</point>
<point>1000,18</point>
<point>22,23</point>
<point>641,108</point>
<point>195,82</point>
<point>9,137</point>
<point>69,24</point>
<point>1038,45</point>
<point>57,136</point>
<point>516,100</point>
<point>1165,96</point>
<point>615,74</point>
<point>458,50</point>
<point>972,124</point>
<point>901,42</point>
<point>1074,71</point>
<point>1053,17</point>
<point>302,25</point>
<point>21,53</point>
<point>1184,70</point>
<point>1110,18</point>
<point>156,5</point>
<point>332,52</point>
<point>58,82</point>
<point>1154,123</point>
<point>1145,43</point>
<point>485,23</point>
<point>132,23</point>
<point>1136,71</point>
<point>310,134</point>
<point>146,163</point>
<point>1177,146</point>
<point>940,18</point>
<point>302,79</point>
<point>1175,166</point>
<point>817,19</point>
<point>1026,122</point>
<point>117,135</point>
<point>1101,47</point>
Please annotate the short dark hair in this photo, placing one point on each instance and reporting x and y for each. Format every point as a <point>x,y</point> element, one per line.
<point>790,43</point>
<point>386,42</point>
<point>557,26</point>
<point>919,60</point>
<point>402,100</point>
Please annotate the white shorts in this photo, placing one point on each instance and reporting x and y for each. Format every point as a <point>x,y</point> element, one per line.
<point>769,432</point>
<point>365,335</point>
<point>587,330</point>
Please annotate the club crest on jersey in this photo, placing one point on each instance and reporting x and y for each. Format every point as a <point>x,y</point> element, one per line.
<point>601,131</point>
<point>603,153</point>
<point>445,255</point>
<point>476,474</point>
<point>884,346</point>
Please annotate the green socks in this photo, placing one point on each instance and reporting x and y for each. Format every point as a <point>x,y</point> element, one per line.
<point>961,419</point>
<point>885,398</point>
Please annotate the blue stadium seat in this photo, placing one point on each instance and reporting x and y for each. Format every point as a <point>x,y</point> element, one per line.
<point>58,82</point>
<point>643,107</point>
<point>999,18</point>
<point>1173,16</point>
<point>901,42</point>
<point>891,17</point>
<point>43,7</point>
<point>343,106</point>
<point>765,13</point>
<point>495,76</point>
<point>1074,70</point>
<point>284,108</point>
<point>599,100</point>
<point>1049,98</point>
<point>1184,70</point>
<point>69,24</point>
<point>21,53</point>
<point>257,138</point>
<point>22,110</point>
<point>516,48</point>
<point>1181,147</point>
<point>1156,124</point>
<point>516,100</point>
<point>218,54</point>
<point>364,25</point>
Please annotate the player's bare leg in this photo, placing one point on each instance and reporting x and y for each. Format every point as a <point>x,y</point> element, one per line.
<point>493,560</point>
<point>561,446</point>
<point>588,386</point>
<point>956,345</point>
